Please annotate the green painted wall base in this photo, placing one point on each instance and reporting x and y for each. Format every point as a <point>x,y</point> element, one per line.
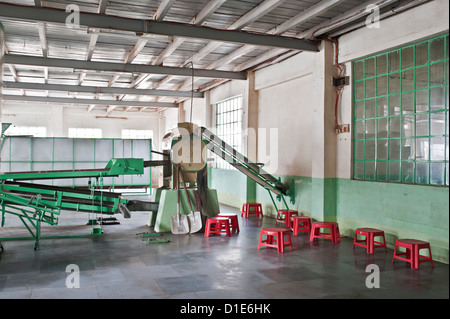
<point>168,207</point>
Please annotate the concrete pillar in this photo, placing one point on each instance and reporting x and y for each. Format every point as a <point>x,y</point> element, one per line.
<point>324,137</point>
<point>252,138</point>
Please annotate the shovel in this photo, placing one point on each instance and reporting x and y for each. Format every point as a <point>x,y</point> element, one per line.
<point>195,218</point>
<point>179,222</point>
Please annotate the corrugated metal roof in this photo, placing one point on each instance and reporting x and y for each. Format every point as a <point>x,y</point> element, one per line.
<point>25,38</point>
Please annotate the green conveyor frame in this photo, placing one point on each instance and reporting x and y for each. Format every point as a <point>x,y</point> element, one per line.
<point>36,203</point>
<point>249,168</point>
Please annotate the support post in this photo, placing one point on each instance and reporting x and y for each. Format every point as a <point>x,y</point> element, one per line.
<point>324,137</point>
<point>252,132</point>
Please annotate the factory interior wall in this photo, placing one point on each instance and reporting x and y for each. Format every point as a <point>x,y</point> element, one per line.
<point>288,96</point>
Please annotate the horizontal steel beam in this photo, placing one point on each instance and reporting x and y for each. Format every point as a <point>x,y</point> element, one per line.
<point>64,100</point>
<point>98,90</point>
<point>121,67</point>
<point>155,27</point>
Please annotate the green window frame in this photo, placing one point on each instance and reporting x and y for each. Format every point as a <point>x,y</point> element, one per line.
<point>400,115</point>
<point>229,126</point>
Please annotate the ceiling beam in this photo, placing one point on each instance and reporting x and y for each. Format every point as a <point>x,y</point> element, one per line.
<point>43,38</point>
<point>102,6</point>
<point>155,27</point>
<point>120,67</point>
<point>63,100</point>
<point>162,10</point>
<point>325,27</point>
<point>98,90</point>
<point>249,17</point>
<point>300,18</point>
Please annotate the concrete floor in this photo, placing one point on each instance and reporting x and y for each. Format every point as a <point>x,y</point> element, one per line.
<point>121,265</point>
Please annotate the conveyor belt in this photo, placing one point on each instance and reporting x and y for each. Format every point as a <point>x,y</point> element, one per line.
<point>241,163</point>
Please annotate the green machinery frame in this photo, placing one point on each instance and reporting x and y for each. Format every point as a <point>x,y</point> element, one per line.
<point>35,204</point>
<point>61,153</point>
<point>249,168</point>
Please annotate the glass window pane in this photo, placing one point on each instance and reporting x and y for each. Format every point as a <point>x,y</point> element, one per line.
<point>394,104</point>
<point>422,125</point>
<point>382,146</point>
<point>359,70</point>
<point>381,85</point>
<point>394,61</point>
<point>369,68</point>
<point>381,171</point>
<point>382,107</point>
<point>394,172</point>
<point>408,80</point>
<point>370,129</point>
<point>370,171</point>
<point>360,129</point>
<point>408,126</point>
<point>437,173</point>
<point>407,172</point>
<point>394,149</point>
<point>394,83</point>
<point>437,99</point>
<point>394,127</point>
<point>381,64</point>
<point>421,53</point>
<point>370,88</point>
<point>437,49</point>
<point>437,123</point>
<point>422,101</point>
<point>422,77</point>
<point>382,128</point>
<point>408,103</point>
<point>370,108</point>
<point>437,74</point>
<point>408,58</point>
<point>408,152</point>
<point>359,170</point>
<point>370,149</point>
<point>359,110</point>
<point>359,90</point>
<point>422,149</point>
<point>422,173</point>
<point>437,148</point>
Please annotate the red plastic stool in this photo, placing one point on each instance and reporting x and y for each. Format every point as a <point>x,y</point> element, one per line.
<point>413,247</point>
<point>279,233</point>
<point>369,241</point>
<point>251,208</point>
<point>233,218</point>
<point>300,224</point>
<point>217,225</point>
<point>334,234</point>
<point>284,216</point>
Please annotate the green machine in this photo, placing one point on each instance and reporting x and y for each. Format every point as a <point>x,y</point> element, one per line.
<point>35,203</point>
